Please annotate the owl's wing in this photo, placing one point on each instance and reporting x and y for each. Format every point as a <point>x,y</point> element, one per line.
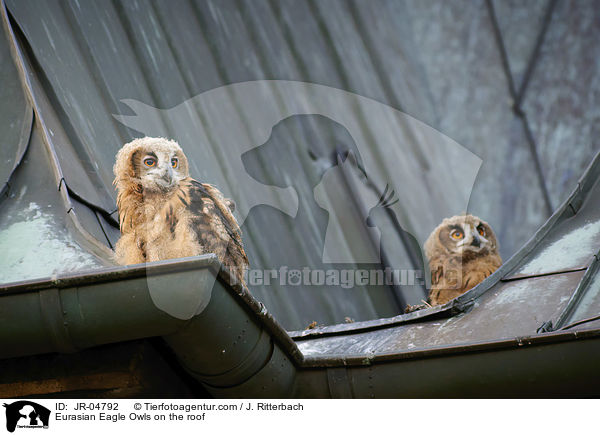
<point>437,273</point>
<point>207,196</point>
<point>215,226</point>
<point>437,282</point>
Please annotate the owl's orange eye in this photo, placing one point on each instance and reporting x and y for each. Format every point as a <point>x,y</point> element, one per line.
<point>174,162</point>
<point>150,162</point>
<point>456,234</point>
<point>481,231</point>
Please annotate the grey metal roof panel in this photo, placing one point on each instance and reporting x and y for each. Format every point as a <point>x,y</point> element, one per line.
<point>16,117</point>
<point>35,234</point>
<point>561,100</point>
<point>117,32</point>
<point>71,127</point>
<point>471,95</point>
<point>521,24</point>
<point>572,242</point>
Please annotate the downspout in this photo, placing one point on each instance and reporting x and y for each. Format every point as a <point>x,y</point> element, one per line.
<point>224,338</point>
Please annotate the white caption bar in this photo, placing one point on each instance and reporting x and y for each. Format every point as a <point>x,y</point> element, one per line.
<point>141,416</point>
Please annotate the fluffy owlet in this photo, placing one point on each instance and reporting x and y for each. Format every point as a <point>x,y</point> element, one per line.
<point>462,251</point>
<point>166,214</point>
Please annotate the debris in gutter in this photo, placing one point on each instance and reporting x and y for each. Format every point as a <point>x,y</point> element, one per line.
<point>311,326</point>
<point>411,308</point>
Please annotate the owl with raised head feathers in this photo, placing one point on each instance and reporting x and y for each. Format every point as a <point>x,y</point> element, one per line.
<point>164,213</point>
<point>462,251</point>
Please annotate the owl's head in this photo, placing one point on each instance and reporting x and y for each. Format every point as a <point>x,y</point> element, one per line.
<point>153,163</point>
<point>464,235</point>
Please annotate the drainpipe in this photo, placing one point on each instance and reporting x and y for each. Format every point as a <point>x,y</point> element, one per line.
<point>223,337</point>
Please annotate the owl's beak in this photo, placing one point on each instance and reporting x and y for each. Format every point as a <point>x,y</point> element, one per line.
<point>476,242</point>
<point>167,176</point>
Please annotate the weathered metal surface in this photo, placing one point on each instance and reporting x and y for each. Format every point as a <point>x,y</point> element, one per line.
<point>562,100</point>
<point>437,312</point>
<point>584,306</point>
<point>512,309</point>
<point>35,239</point>
<point>558,366</point>
<point>572,243</point>
<point>521,24</point>
<point>470,92</point>
<point>15,117</point>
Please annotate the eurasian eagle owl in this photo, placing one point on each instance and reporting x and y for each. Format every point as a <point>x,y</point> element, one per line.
<point>165,214</point>
<point>462,251</point>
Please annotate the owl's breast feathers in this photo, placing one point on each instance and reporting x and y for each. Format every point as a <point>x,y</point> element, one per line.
<point>193,219</point>
<point>452,276</point>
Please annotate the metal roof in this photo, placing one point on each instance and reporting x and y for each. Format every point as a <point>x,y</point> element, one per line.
<point>85,61</point>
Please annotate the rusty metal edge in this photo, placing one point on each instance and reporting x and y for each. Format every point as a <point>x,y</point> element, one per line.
<point>115,273</point>
<point>441,311</point>
<point>450,350</point>
<point>582,287</point>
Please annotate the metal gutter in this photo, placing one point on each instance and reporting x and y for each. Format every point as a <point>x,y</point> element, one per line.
<point>70,313</point>
<point>231,345</point>
<point>220,334</point>
<point>458,349</point>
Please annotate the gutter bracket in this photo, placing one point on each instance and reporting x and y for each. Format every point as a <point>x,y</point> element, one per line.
<point>577,199</point>
<point>461,307</point>
<point>54,318</point>
<point>545,327</point>
<point>339,383</point>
